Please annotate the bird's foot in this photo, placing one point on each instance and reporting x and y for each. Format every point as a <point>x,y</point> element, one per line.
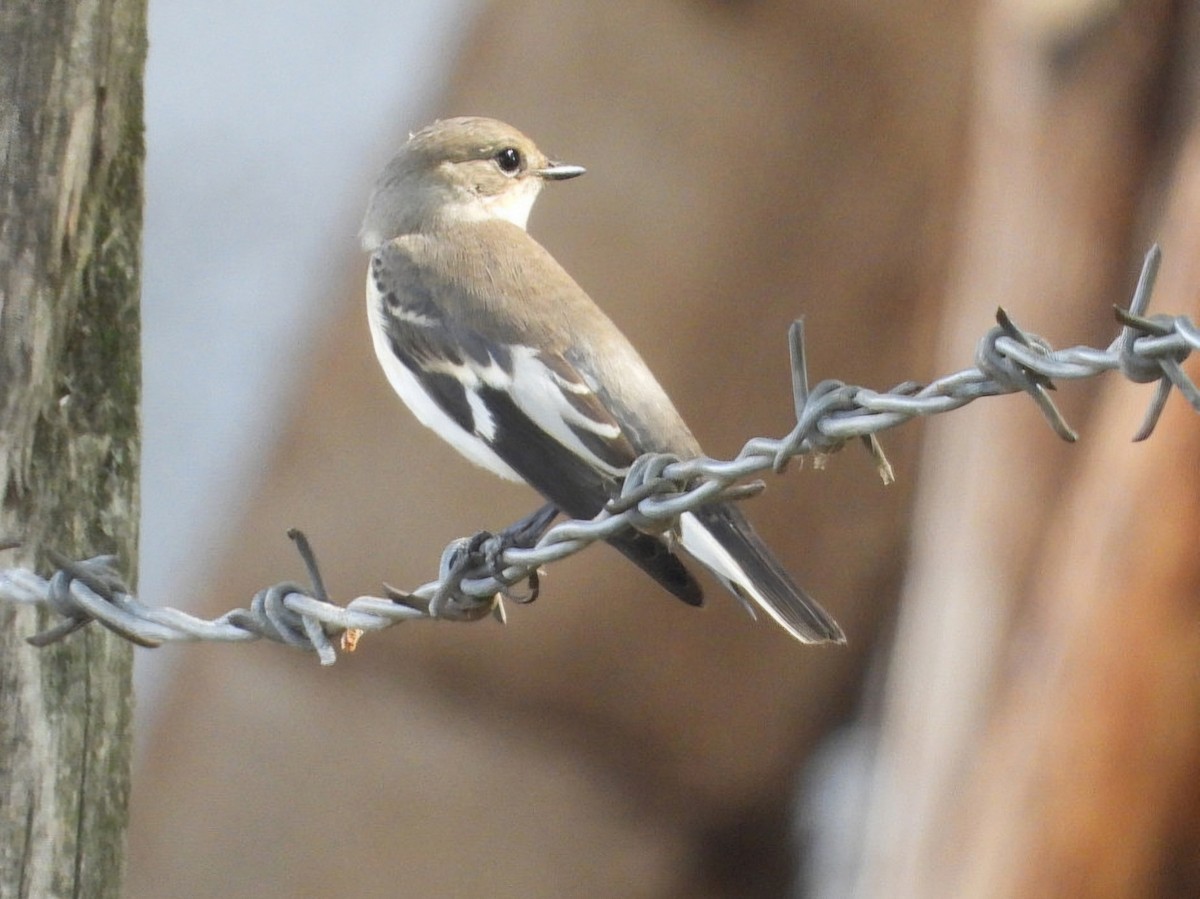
<point>522,534</point>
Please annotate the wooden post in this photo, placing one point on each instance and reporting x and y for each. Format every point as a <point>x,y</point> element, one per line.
<point>71,154</point>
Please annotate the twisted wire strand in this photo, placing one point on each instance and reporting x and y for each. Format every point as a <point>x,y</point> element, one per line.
<point>475,574</point>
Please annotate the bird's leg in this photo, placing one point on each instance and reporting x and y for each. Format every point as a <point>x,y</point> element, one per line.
<point>529,530</point>
<point>522,534</point>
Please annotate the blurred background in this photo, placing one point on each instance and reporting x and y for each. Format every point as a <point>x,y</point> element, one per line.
<point>1017,711</point>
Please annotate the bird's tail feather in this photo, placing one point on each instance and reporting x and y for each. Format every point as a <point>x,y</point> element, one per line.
<point>655,558</point>
<point>721,539</point>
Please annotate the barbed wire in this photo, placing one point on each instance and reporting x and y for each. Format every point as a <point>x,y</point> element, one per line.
<point>475,574</point>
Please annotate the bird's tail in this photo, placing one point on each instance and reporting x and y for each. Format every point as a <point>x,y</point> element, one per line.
<point>721,539</point>
<point>653,556</point>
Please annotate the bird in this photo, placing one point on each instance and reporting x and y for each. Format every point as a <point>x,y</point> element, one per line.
<point>496,348</point>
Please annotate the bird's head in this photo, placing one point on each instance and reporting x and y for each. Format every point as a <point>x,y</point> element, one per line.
<point>456,170</point>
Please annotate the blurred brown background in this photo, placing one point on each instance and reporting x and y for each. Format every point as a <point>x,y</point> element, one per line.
<point>1017,712</point>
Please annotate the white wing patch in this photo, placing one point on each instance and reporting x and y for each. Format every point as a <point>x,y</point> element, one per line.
<point>412,318</point>
<point>538,392</point>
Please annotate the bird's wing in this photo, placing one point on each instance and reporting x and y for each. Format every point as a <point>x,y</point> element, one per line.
<point>528,404</point>
<point>521,397</point>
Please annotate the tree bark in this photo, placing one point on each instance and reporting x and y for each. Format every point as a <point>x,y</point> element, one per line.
<point>71,152</point>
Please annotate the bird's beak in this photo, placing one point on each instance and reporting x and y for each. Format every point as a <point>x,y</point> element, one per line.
<point>560,171</point>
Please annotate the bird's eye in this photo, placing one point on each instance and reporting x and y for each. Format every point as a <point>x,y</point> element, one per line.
<point>509,160</point>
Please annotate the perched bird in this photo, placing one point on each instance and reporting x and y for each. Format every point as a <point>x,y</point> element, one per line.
<point>492,345</point>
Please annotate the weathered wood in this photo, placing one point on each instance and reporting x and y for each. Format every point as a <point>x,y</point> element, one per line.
<point>70,231</point>
<point>1040,732</point>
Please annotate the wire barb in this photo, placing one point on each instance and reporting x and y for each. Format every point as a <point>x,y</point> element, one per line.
<point>1006,368</point>
<point>476,574</point>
